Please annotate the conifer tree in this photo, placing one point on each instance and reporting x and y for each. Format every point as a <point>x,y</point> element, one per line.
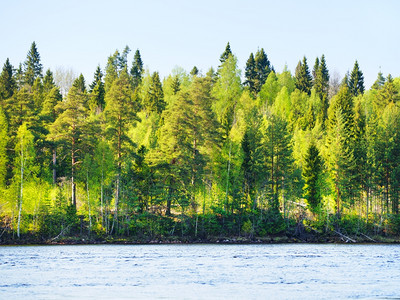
<point>312,174</point>
<point>154,99</point>
<point>225,55</point>
<point>48,81</point>
<point>315,69</point>
<point>340,146</point>
<point>262,68</point>
<point>97,91</point>
<point>356,81</point>
<point>68,128</point>
<point>175,85</point>
<point>120,113</point>
<point>80,84</point>
<point>32,66</point>
<point>303,77</point>
<point>379,82</point>
<point>7,82</point>
<point>251,74</point>
<point>137,69</point>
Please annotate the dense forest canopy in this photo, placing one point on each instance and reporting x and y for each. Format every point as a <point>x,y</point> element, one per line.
<point>129,153</point>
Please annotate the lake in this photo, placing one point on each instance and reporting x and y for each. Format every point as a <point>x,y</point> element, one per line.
<point>281,271</point>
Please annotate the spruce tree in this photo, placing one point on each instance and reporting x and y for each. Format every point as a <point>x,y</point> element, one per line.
<point>379,82</point>
<point>7,81</point>
<point>97,91</point>
<point>80,84</point>
<point>262,68</point>
<point>312,175</point>
<point>315,69</point>
<point>68,129</point>
<point>32,66</point>
<point>251,74</point>
<point>303,77</point>
<point>356,81</point>
<point>154,99</point>
<point>137,69</point>
<point>225,55</point>
<point>194,71</point>
<point>48,82</point>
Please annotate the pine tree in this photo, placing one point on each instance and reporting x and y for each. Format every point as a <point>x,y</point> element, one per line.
<point>120,113</point>
<point>251,74</point>
<point>68,128</point>
<point>137,69</point>
<point>356,81</point>
<point>32,66</point>
<point>303,77</point>
<point>7,82</point>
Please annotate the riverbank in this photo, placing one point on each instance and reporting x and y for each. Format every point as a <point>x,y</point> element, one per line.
<point>333,237</point>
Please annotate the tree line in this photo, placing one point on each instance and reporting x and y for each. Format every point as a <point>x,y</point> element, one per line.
<point>197,154</point>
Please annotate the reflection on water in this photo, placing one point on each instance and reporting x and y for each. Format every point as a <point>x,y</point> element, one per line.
<point>200,271</point>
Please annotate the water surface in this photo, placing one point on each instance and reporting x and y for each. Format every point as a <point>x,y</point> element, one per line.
<point>289,271</point>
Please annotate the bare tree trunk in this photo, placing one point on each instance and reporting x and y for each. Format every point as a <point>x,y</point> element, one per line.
<point>21,189</point>
<point>88,200</point>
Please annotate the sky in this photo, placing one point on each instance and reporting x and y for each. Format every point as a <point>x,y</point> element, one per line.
<point>81,34</point>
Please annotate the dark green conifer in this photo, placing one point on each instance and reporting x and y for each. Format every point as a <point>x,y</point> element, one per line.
<point>7,81</point>
<point>137,69</point>
<point>263,68</point>
<point>356,81</point>
<point>251,74</point>
<point>32,66</point>
<point>303,77</point>
<point>225,54</point>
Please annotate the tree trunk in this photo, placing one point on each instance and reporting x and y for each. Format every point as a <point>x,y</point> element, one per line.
<point>21,189</point>
<point>54,166</point>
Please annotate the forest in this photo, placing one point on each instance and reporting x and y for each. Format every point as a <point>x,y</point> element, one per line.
<point>193,156</point>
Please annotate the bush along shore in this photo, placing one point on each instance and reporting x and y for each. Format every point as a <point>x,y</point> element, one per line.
<point>218,229</point>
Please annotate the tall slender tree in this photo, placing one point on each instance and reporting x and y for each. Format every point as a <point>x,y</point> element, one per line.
<point>303,77</point>
<point>356,81</point>
<point>137,70</point>
<point>7,82</point>
<point>32,66</point>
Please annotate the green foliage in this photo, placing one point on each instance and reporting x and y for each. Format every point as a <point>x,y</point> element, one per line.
<point>303,77</point>
<point>32,67</point>
<point>312,174</point>
<point>356,81</point>
<point>7,81</point>
<point>197,157</point>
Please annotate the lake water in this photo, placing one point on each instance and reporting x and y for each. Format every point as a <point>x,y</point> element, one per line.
<point>288,271</point>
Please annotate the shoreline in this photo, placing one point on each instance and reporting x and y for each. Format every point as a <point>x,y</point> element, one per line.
<point>276,239</point>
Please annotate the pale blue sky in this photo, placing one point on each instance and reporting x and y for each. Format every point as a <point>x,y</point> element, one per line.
<point>81,34</point>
